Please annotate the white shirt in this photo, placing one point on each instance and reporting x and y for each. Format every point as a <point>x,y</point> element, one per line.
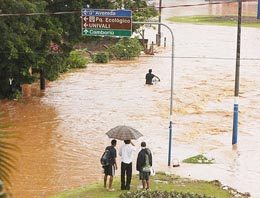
<point>127,153</point>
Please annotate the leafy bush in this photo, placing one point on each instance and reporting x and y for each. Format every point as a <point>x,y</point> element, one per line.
<point>159,194</point>
<point>59,63</point>
<point>76,59</point>
<point>101,57</point>
<point>16,94</point>
<point>126,49</point>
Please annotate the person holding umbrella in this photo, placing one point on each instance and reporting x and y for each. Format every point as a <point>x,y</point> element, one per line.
<point>126,152</point>
<point>126,133</point>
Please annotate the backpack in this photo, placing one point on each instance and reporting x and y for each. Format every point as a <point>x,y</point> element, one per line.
<point>147,167</point>
<point>106,158</point>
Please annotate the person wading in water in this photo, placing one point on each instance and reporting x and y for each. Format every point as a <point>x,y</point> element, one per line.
<point>149,77</point>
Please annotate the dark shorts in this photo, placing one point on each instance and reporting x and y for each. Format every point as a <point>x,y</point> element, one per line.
<point>144,175</point>
<point>109,170</point>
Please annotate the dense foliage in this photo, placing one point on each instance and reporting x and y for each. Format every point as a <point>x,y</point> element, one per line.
<point>101,57</point>
<point>140,11</point>
<point>40,42</point>
<point>126,49</point>
<point>76,60</point>
<point>159,194</point>
<point>43,42</point>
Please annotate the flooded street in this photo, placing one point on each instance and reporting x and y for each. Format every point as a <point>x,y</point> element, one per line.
<point>63,129</point>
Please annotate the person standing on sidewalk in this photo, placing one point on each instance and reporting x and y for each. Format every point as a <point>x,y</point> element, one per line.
<point>127,153</point>
<point>143,165</point>
<point>109,170</point>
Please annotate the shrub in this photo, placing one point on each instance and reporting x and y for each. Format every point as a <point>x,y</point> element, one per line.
<point>76,59</point>
<point>16,94</point>
<point>126,49</point>
<point>101,57</point>
<point>156,194</point>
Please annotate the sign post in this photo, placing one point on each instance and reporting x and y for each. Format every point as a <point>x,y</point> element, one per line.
<point>236,94</point>
<point>106,22</point>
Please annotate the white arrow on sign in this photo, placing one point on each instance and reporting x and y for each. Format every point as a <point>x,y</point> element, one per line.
<point>85,31</point>
<point>85,25</point>
<point>85,18</point>
<point>85,12</point>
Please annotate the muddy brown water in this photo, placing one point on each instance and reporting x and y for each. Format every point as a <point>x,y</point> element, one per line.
<point>62,129</point>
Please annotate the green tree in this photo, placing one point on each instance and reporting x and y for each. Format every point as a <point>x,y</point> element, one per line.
<point>63,30</point>
<point>18,40</point>
<point>26,41</point>
<point>97,4</point>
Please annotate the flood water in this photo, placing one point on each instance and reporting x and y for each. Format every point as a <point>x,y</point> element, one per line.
<point>62,129</point>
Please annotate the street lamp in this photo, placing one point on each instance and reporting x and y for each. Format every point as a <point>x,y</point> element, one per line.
<point>236,94</point>
<point>172,75</point>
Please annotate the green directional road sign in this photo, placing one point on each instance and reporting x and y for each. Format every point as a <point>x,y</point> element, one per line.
<point>102,32</point>
<point>106,22</point>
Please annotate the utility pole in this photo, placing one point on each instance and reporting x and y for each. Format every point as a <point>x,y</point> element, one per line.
<point>158,35</point>
<point>236,94</point>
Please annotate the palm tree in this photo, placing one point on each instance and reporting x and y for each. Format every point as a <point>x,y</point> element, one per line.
<point>7,159</point>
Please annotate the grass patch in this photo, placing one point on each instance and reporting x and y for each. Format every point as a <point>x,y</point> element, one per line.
<point>247,21</point>
<point>159,182</point>
<point>198,159</point>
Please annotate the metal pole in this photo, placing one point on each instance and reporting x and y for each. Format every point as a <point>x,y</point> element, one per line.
<point>258,10</point>
<point>158,36</point>
<point>236,95</point>
<point>172,75</point>
<point>122,5</point>
<point>42,80</point>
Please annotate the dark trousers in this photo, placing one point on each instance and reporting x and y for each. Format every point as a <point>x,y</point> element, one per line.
<point>126,170</point>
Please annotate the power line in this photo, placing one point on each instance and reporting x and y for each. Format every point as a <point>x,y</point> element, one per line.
<point>158,56</point>
<point>203,4</point>
<point>202,57</point>
<point>40,13</point>
<point>79,11</point>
